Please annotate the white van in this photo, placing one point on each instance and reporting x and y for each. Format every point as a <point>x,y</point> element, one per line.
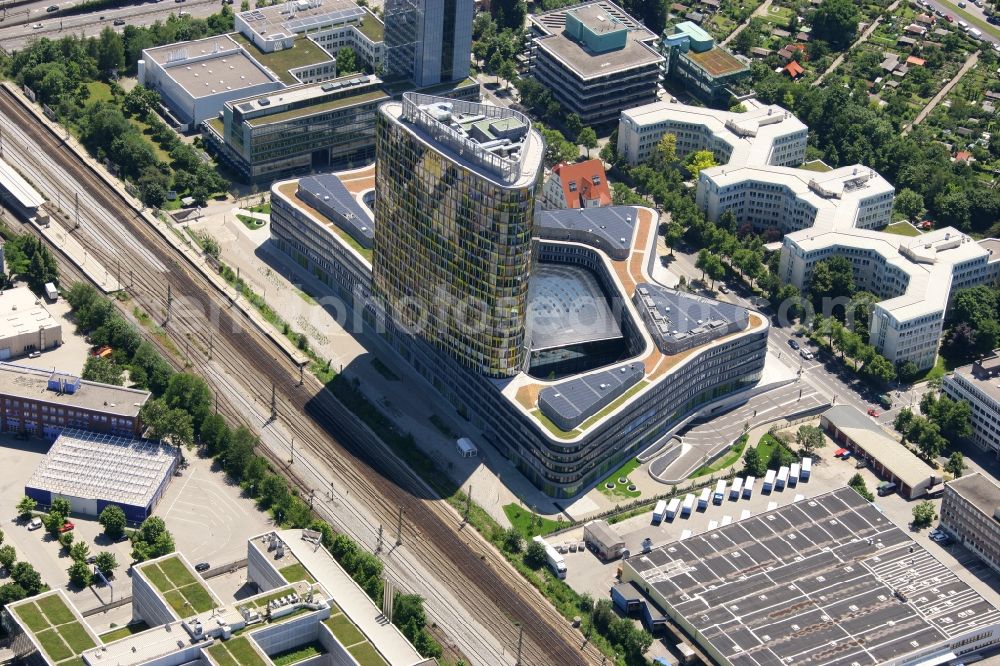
<point>35,523</point>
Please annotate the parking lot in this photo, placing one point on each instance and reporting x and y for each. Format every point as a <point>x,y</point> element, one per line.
<point>71,355</point>
<point>206,515</point>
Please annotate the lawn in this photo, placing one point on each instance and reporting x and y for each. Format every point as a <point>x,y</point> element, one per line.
<point>902,229</point>
<point>221,655</point>
<point>731,458</point>
<point>161,154</point>
<point>177,602</point>
<point>529,523</point>
<point>303,52</point>
<point>55,610</point>
<point>157,577</point>
<point>816,165</point>
<point>344,630</point>
<point>76,637</point>
<point>53,645</point>
<point>244,653</point>
<point>298,654</point>
<point>31,616</point>
<point>124,632</point>
<point>261,208</point>
<point>766,446</point>
<point>251,223</point>
<point>178,574</point>
<point>296,572</point>
<point>621,490</point>
<point>98,91</point>
<point>366,655</point>
<point>199,597</point>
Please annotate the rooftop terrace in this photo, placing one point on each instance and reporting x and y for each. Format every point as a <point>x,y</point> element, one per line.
<point>56,628</point>
<point>179,585</point>
<point>303,53</point>
<point>717,61</point>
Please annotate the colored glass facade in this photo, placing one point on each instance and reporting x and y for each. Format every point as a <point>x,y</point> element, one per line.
<point>452,248</point>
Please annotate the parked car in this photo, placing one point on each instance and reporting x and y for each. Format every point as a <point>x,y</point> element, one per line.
<point>961,5</point>
<point>647,545</point>
<point>724,289</point>
<point>35,523</point>
<point>52,8</point>
<point>949,18</point>
<point>91,559</point>
<point>66,527</point>
<point>122,538</point>
<point>202,566</point>
<point>873,412</point>
<point>793,344</point>
<point>119,21</point>
<point>806,354</point>
<point>37,26</point>
<point>34,354</point>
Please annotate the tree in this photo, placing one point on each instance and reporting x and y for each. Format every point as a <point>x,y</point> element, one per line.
<point>832,278</point>
<point>672,236</point>
<point>106,562</point>
<point>171,425</point>
<point>956,464</point>
<point>346,61</point>
<point>507,72</point>
<point>151,540</point>
<point>534,554</point>
<point>666,150</point>
<point>858,483</point>
<point>80,551</point>
<point>11,592</point>
<point>62,506</point>
<point>140,101</point>
<point>908,203</point>
<point>25,507</point>
<point>112,519</point>
<point>879,368</point>
<point>190,393</point>
<point>103,370</point>
<point>903,421</point>
<point>809,438</point>
<point>512,540</point>
<point>25,575</point>
<point>588,139</point>
<point>923,514</point>
<point>836,22</point>
<point>7,557</point>
<point>698,160</point>
<point>66,539</point>
<point>79,574</point>
<point>573,124</point>
<point>752,463</point>
<point>110,52</point>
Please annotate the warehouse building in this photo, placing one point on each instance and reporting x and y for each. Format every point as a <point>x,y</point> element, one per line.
<point>25,324</point>
<point>978,385</point>
<point>595,58</point>
<point>94,470</point>
<point>849,427</point>
<point>970,511</point>
<point>824,581</point>
<point>42,403</point>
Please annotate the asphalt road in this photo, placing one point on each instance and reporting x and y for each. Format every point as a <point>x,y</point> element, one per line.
<point>952,8</point>
<point>15,37</point>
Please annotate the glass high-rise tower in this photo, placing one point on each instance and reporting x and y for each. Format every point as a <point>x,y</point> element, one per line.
<point>454,212</point>
<point>428,41</point>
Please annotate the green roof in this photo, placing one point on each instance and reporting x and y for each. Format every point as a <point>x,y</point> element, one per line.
<point>303,52</point>
<point>318,108</point>
<point>372,28</point>
<point>181,589</point>
<point>55,628</point>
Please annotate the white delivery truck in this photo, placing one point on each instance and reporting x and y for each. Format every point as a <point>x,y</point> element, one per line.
<point>736,490</point>
<point>975,33</point>
<point>659,510</point>
<point>748,487</point>
<point>720,492</point>
<point>688,505</point>
<point>807,465</point>
<point>793,474</point>
<point>556,561</point>
<point>51,292</point>
<point>768,481</point>
<point>706,493</point>
<point>672,508</point>
<point>782,478</point>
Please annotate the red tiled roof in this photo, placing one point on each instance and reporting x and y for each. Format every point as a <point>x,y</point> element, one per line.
<point>914,60</point>
<point>794,69</point>
<point>583,181</point>
<point>963,156</point>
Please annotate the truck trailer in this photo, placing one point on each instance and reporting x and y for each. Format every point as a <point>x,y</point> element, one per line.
<point>720,492</point>
<point>672,508</point>
<point>782,478</point>
<point>736,490</point>
<point>769,481</point>
<point>793,474</point>
<point>807,465</point>
<point>688,505</point>
<point>706,493</point>
<point>556,561</point>
<point>659,510</point>
<point>748,487</point>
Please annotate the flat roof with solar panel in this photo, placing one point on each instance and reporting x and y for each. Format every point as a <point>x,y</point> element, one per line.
<point>300,16</point>
<point>98,469</point>
<point>828,580</point>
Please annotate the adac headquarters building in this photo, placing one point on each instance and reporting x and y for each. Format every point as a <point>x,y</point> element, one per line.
<point>544,329</point>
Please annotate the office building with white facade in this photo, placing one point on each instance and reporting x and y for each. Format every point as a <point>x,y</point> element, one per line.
<point>914,277</point>
<point>979,385</point>
<point>595,58</point>
<point>970,512</point>
<point>765,134</point>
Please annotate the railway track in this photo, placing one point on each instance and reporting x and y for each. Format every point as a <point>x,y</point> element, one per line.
<point>489,589</point>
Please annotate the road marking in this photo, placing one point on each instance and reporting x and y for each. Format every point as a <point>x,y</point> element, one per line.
<point>181,493</point>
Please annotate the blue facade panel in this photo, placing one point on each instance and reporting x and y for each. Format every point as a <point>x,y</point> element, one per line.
<point>133,514</point>
<point>43,497</point>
